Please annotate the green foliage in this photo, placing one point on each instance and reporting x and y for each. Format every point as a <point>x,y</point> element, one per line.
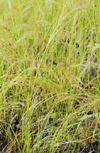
<point>50,74</point>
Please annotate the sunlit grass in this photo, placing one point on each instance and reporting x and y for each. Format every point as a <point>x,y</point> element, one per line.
<point>50,75</point>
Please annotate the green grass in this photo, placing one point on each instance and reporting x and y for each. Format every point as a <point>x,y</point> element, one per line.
<point>49,71</point>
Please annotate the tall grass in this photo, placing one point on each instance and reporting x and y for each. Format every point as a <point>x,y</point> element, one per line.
<point>49,75</point>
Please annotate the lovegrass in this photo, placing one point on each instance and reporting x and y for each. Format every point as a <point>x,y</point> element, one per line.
<point>49,76</point>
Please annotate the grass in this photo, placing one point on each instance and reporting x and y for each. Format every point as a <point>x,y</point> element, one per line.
<point>49,76</point>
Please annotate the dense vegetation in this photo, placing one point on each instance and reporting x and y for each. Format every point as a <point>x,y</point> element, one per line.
<point>49,76</point>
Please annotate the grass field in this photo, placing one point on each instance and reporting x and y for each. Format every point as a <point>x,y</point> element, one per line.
<point>49,76</point>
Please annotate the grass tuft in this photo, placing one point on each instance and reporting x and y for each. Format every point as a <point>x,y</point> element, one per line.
<point>50,76</point>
